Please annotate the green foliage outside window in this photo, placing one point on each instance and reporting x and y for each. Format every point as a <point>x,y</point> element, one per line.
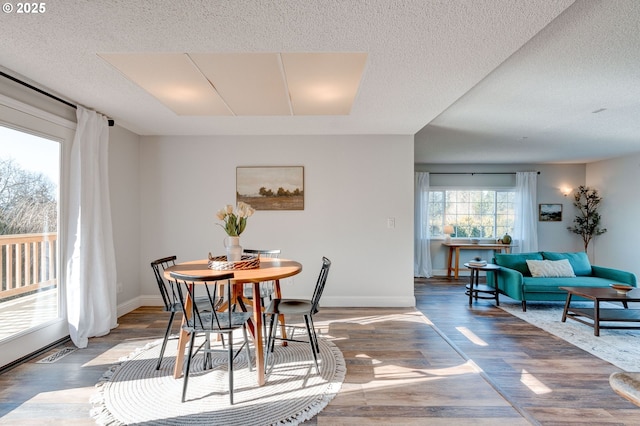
<point>485,214</point>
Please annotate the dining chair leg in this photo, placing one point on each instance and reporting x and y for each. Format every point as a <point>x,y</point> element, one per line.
<point>274,334</point>
<point>221,338</point>
<point>243,307</point>
<point>293,332</point>
<point>278,295</point>
<point>230,338</point>
<point>207,362</point>
<point>246,343</point>
<point>273,325</point>
<point>264,324</point>
<point>311,343</point>
<point>283,327</point>
<point>192,340</point>
<point>264,328</point>
<point>164,342</point>
<point>315,335</point>
<point>267,343</point>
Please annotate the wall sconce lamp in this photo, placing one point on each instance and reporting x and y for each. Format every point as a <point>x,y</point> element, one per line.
<point>448,230</point>
<point>565,190</point>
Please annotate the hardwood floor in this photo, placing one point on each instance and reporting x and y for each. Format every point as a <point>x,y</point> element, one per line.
<point>442,363</point>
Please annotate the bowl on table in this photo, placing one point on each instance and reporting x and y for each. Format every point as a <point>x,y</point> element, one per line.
<point>621,289</point>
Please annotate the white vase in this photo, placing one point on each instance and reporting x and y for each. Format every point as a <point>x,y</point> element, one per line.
<point>234,250</point>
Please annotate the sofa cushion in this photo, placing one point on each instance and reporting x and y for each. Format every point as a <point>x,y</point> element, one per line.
<point>517,261</point>
<point>550,268</point>
<point>579,261</point>
<point>552,285</point>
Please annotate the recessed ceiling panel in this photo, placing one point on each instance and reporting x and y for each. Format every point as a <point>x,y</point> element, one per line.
<point>245,84</point>
<point>173,79</point>
<point>250,83</point>
<point>323,83</point>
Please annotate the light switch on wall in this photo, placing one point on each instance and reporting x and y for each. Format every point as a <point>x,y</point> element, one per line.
<point>391,222</point>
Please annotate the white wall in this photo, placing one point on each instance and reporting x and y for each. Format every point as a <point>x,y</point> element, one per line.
<point>552,236</point>
<point>617,182</point>
<point>124,188</point>
<point>352,185</point>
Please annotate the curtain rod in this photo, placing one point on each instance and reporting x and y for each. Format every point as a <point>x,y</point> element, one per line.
<point>474,173</point>
<point>42,92</point>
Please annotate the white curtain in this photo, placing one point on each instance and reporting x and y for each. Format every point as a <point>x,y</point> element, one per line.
<point>525,233</point>
<point>422,243</point>
<point>90,257</point>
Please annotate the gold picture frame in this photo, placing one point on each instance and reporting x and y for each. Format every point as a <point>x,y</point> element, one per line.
<point>271,187</point>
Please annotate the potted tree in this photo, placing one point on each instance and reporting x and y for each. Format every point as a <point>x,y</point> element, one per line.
<point>587,223</point>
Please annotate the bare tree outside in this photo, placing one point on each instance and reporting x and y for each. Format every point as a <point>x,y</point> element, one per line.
<point>29,171</point>
<point>27,200</point>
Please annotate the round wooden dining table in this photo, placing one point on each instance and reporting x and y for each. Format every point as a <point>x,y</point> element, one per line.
<point>270,269</point>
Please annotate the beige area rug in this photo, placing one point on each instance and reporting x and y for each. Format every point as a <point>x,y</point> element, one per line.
<point>134,392</point>
<point>619,347</point>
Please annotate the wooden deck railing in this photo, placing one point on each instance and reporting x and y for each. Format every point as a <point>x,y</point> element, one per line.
<point>27,263</point>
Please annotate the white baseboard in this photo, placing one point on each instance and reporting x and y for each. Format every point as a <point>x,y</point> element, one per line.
<point>327,301</point>
<point>128,306</point>
<point>461,272</point>
<point>368,302</point>
<point>149,300</point>
<point>136,302</point>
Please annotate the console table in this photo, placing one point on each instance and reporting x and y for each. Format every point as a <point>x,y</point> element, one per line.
<point>454,250</point>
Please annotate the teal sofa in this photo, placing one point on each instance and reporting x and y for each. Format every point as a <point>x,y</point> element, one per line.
<point>515,279</point>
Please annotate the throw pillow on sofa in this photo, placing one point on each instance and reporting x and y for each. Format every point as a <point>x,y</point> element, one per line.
<point>579,261</point>
<point>550,268</point>
<point>517,261</point>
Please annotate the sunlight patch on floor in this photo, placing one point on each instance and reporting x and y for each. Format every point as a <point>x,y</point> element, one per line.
<point>535,385</point>
<point>466,368</point>
<point>473,338</point>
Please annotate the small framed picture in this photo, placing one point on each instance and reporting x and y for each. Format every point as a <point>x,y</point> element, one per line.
<point>550,212</point>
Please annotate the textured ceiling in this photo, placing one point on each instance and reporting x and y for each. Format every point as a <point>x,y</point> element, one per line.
<point>478,73</point>
<point>572,94</point>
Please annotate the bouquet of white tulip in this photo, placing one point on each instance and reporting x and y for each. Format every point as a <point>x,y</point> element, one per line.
<point>235,222</point>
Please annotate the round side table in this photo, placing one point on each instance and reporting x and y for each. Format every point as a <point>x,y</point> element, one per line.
<point>481,291</point>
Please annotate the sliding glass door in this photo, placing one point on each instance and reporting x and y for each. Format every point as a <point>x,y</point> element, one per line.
<point>32,308</point>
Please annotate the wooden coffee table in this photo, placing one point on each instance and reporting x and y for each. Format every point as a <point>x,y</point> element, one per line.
<point>596,314</point>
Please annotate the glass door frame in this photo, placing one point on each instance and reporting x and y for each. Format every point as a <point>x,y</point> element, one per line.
<point>25,118</point>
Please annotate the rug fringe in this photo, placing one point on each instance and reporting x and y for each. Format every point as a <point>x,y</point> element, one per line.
<point>333,388</point>
<point>99,411</point>
<point>102,416</point>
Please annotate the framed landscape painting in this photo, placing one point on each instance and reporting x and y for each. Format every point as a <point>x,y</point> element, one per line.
<point>550,213</point>
<point>271,188</point>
